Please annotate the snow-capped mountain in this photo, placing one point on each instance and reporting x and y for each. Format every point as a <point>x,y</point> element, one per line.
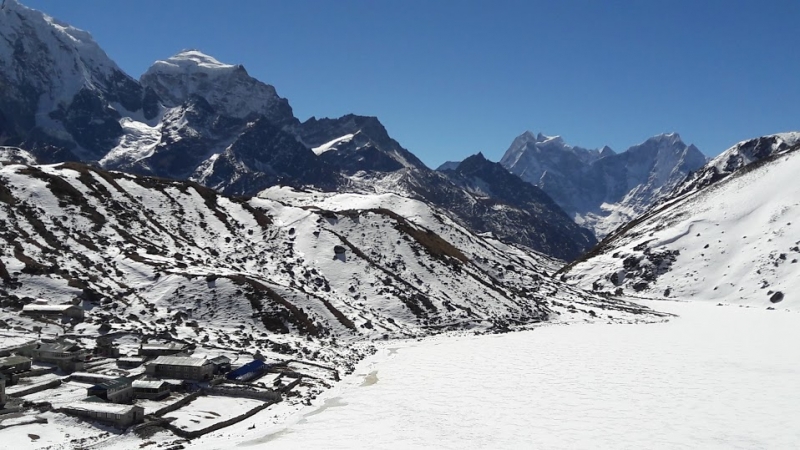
<point>229,89</point>
<point>194,117</point>
<point>730,233</point>
<point>62,98</point>
<point>602,189</point>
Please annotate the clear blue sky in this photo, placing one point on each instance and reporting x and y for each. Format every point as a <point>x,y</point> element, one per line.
<point>451,78</point>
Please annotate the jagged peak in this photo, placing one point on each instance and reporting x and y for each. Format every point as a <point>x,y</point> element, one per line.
<point>672,138</point>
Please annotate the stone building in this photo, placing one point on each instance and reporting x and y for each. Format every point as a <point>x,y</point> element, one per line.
<point>180,367</point>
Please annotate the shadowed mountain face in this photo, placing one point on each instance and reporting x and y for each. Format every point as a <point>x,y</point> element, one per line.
<point>600,188</point>
<point>193,117</point>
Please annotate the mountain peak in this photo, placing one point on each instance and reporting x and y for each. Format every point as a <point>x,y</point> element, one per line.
<point>672,138</point>
<point>227,87</point>
<point>189,62</point>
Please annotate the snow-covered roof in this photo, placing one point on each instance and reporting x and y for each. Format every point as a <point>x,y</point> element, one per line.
<point>149,384</point>
<point>110,408</point>
<point>47,308</point>
<point>168,346</point>
<point>180,361</point>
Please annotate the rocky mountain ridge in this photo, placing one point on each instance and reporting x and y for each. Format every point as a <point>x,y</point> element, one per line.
<point>602,189</point>
<point>194,117</point>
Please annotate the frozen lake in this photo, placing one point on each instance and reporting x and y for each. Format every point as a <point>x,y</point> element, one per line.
<point>717,377</point>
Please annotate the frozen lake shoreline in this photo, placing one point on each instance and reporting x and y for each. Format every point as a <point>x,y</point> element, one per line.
<point>714,377</point>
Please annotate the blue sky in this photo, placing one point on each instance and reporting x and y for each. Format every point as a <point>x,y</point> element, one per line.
<point>451,78</point>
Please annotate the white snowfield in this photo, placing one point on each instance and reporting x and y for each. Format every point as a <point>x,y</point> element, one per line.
<point>697,381</point>
<point>736,241</point>
<point>328,146</point>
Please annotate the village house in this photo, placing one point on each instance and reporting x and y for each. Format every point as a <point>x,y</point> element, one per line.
<point>222,364</point>
<point>161,349</point>
<point>68,356</point>
<point>53,311</point>
<point>180,367</point>
<point>14,364</point>
<point>121,416</point>
<point>118,390</point>
<point>19,348</point>
<point>106,348</point>
<point>151,389</point>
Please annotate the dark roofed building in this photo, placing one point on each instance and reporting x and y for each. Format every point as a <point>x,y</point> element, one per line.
<point>118,390</point>
<point>151,389</point>
<point>222,364</point>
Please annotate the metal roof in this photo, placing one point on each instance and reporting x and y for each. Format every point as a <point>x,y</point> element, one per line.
<point>149,384</point>
<point>112,408</point>
<point>115,383</point>
<point>170,346</point>
<point>180,361</point>
<point>48,308</point>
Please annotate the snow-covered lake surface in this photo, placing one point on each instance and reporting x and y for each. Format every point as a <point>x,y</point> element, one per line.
<point>717,377</point>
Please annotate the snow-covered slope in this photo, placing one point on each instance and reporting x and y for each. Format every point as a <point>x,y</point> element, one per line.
<point>733,239</point>
<point>601,189</point>
<point>139,247</point>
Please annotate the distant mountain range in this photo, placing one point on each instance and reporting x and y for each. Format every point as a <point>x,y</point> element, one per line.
<point>193,117</point>
<point>602,189</point>
<point>730,233</point>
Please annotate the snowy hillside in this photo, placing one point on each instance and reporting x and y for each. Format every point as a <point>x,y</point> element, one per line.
<point>144,249</point>
<point>735,239</point>
<point>602,189</point>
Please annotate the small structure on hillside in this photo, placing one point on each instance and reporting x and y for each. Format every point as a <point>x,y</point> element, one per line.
<point>105,347</point>
<point>222,364</point>
<point>14,364</point>
<point>121,416</point>
<point>180,367</point>
<point>151,389</point>
<point>118,390</point>
<point>162,349</point>
<point>249,371</point>
<point>69,311</point>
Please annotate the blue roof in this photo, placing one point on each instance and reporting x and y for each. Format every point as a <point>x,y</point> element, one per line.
<point>247,369</point>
